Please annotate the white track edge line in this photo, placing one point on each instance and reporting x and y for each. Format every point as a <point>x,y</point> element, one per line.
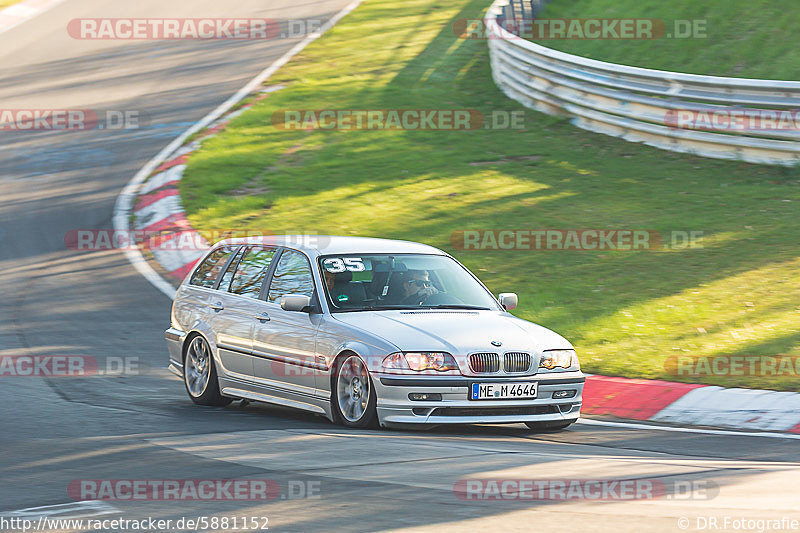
<point>98,507</point>
<point>675,429</point>
<point>124,203</point>
<point>28,17</point>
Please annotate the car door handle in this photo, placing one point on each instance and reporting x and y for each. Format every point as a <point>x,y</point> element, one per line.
<point>264,317</point>
<point>217,306</point>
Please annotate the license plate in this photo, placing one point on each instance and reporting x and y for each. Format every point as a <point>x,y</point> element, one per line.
<point>504,391</point>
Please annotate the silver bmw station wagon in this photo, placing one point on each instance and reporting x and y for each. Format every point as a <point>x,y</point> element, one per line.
<point>365,331</point>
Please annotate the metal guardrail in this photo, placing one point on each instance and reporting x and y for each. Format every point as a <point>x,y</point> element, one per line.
<point>638,104</point>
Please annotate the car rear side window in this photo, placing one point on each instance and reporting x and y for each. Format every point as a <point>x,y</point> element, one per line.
<point>225,282</point>
<point>292,276</point>
<point>251,271</point>
<point>208,271</point>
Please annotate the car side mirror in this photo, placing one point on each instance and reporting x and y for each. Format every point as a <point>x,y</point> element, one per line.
<point>508,300</point>
<point>296,302</point>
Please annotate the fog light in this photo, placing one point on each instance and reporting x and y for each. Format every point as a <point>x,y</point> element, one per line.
<point>564,393</point>
<point>425,396</point>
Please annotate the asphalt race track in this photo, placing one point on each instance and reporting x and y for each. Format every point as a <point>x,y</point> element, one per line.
<point>141,425</point>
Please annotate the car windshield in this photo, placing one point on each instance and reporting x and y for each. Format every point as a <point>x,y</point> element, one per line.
<point>401,281</point>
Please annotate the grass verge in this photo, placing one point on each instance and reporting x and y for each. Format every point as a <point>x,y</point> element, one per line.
<point>627,312</point>
<point>741,38</point>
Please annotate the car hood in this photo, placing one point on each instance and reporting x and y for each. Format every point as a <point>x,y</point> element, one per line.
<point>454,331</point>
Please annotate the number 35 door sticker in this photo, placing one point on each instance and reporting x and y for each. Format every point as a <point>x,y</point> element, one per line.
<point>334,265</point>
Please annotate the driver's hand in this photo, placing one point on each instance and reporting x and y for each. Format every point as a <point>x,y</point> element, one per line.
<point>427,292</point>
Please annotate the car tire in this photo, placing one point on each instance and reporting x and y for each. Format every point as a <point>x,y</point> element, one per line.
<point>549,426</point>
<point>200,374</point>
<point>352,393</point>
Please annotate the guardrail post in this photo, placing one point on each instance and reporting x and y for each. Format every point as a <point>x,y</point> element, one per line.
<point>511,8</point>
<point>503,23</point>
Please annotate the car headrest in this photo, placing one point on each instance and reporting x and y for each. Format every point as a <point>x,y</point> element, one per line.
<point>344,277</point>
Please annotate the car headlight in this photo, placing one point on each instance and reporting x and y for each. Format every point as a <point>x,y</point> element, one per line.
<point>559,359</point>
<point>419,361</point>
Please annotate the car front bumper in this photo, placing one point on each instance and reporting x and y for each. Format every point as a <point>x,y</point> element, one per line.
<point>455,407</point>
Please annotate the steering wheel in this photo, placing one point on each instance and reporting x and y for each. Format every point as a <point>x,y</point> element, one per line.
<point>416,299</point>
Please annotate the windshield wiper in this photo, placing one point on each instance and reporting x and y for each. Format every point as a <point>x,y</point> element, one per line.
<point>412,307</point>
<point>456,306</point>
<point>376,308</point>
<point>390,307</point>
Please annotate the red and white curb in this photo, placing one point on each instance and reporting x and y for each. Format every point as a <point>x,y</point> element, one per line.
<point>158,210</point>
<point>16,14</point>
<point>691,404</point>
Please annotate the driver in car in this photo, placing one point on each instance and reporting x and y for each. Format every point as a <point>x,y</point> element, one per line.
<point>417,287</point>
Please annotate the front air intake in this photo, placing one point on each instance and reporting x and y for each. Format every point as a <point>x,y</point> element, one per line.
<point>516,362</point>
<point>484,363</point>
